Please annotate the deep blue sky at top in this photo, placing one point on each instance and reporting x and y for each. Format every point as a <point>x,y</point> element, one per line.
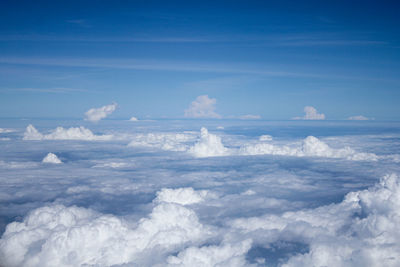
<point>268,58</point>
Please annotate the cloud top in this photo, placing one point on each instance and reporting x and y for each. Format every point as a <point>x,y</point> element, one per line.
<point>311,113</point>
<point>51,158</point>
<point>96,114</point>
<point>202,107</point>
<point>60,133</point>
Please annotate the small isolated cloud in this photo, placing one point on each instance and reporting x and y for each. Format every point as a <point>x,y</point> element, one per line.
<point>358,118</point>
<point>250,117</point>
<point>96,114</point>
<point>51,158</point>
<point>202,107</point>
<point>311,114</point>
<point>133,119</point>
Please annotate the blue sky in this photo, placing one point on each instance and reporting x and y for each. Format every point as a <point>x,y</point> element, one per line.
<point>61,58</point>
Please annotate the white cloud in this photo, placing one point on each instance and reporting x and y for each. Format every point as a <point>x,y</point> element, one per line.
<point>71,236</point>
<point>362,230</point>
<point>265,137</point>
<point>73,133</point>
<point>133,119</point>
<point>250,117</point>
<point>358,118</point>
<point>209,145</point>
<point>51,158</point>
<point>233,255</point>
<point>164,141</point>
<point>96,114</point>
<point>3,130</point>
<point>202,107</point>
<point>183,196</point>
<point>311,114</point>
<point>310,147</point>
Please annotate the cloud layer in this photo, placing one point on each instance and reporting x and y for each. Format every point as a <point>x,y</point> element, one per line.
<point>202,107</point>
<point>96,114</point>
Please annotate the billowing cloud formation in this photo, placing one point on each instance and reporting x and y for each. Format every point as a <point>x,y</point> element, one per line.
<point>311,114</point>
<point>73,133</point>
<point>362,230</point>
<point>233,255</point>
<point>71,236</point>
<point>209,145</point>
<point>51,158</point>
<point>202,107</point>
<point>310,147</point>
<point>358,118</point>
<point>96,114</point>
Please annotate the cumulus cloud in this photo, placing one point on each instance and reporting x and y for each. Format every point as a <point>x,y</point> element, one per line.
<point>202,107</point>
<point>358,118</point>
<point>96,114</point>
<point>209,145</point>
<point>362,230</point>
<point>72,236</point>
<point>133,119</point>
<point>73,133</point>
<point>311,114</point>
<point>51,158</point>
<point>233,255</point>
<point>310,147</point>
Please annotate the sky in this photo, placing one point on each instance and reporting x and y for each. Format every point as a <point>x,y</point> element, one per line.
<point>152,59</point>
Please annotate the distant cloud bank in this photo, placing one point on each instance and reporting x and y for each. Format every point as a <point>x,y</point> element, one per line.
<point>202,107</point>
<point>96,114</point>
<point>359,118</point>
<point>311,113</point>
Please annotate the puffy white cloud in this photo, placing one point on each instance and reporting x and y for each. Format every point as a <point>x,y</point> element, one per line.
<point>250,117</point>
<point>133,119</point>
<point>71,236</point>
<point>362,230</point>
<point>51,158</point>
<point>358,118</point>
<point>73,133</point>
<point>209,145</point>
<point>311,114</point>
<point>310,147</point>
<point>96,114</point>
<point>202,107</point>
<point>225,255</point>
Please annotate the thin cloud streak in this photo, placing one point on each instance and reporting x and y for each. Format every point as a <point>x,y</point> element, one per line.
<point>151,65</point>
